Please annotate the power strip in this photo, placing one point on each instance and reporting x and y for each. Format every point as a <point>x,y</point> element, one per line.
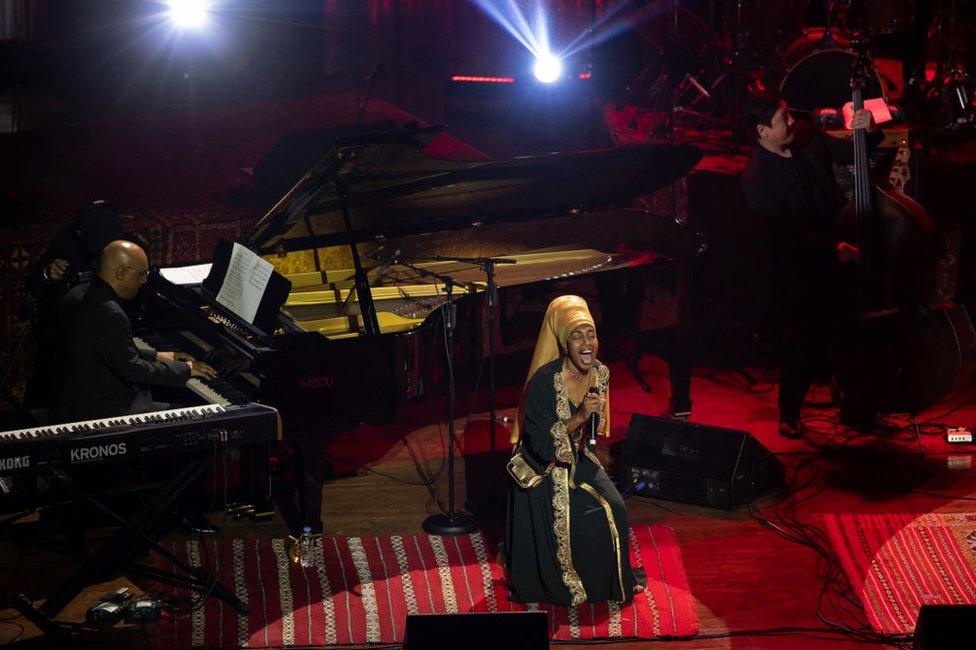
<point>958,435</point>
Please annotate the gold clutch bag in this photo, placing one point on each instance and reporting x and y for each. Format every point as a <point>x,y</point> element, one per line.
<point>523,474</point>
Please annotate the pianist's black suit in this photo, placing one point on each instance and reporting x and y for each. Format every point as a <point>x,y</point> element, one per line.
<point>104,372</point>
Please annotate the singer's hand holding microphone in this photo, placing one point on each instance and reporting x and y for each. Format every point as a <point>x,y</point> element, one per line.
<point>592,408</point>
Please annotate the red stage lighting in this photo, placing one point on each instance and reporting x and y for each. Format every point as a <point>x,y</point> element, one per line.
<point>482,80</point>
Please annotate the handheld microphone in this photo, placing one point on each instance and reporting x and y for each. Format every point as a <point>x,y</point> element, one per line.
<point>594,421</point>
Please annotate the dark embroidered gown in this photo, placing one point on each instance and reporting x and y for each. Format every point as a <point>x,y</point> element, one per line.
<point>567,538</point>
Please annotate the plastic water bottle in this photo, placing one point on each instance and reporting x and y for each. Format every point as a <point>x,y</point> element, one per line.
<point>306,557</point>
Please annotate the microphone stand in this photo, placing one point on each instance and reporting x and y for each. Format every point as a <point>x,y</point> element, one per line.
<point>449,523</point>
<point>487,265</point>
<point>370,86</point>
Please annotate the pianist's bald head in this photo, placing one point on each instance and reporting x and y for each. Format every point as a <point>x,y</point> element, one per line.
<point>124,266</point>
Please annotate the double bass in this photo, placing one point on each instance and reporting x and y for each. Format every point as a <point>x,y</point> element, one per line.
<point>896,351</point>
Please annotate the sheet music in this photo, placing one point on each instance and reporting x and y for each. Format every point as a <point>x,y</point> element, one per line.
<point>194,274</point>
<point>244,284</point>
<point>878,107</point>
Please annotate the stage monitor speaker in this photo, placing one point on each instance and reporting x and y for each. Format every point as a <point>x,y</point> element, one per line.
<point>945,627</point>
<point>694,463</point>
<point>477,631</point>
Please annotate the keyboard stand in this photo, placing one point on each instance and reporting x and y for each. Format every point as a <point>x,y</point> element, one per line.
<point>115,554</point>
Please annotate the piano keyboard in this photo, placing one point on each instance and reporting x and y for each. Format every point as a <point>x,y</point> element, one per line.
<point>135,436</point>
<point>89,426</point>
<point>211,392</point>
<point>206,392</point>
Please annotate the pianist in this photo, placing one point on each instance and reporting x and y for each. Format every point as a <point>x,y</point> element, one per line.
<point>103,373</point>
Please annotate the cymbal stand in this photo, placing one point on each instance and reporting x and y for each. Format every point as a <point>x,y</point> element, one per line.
<point>676,94</point>
<point>448,523</point>
<point>952,81</point>
<point>722,110</point>
<point>828,40</point>
<point>739,66</point>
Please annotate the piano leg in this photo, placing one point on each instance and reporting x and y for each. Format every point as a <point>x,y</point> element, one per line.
<point>680,359</point>
<point>132,535</point>
<point>678,347</point>
<point>256,476</point>
<point>296,486</point>
<point>679,372</point>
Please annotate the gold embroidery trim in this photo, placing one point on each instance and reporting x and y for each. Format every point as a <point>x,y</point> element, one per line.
<point>602,382</point>
<point>602,377</point>
<point>560,525</point>
<point>593,457</point>
<point>613,533</point>
<point>560,437</point>
<point>560,441</point>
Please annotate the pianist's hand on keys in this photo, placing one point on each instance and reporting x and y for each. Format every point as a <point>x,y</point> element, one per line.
<point>197,368</point>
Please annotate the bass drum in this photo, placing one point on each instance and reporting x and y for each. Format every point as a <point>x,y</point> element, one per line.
<point>817,72</point>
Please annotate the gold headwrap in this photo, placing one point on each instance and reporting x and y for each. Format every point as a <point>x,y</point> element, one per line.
<point>563,315</point>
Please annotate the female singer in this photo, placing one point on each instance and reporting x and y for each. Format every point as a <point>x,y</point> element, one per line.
<point>567,536</point>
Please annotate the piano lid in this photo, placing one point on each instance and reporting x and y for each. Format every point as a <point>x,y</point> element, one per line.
<point>390,188</point>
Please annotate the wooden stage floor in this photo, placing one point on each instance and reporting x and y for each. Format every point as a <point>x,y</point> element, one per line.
<point>747,580</point>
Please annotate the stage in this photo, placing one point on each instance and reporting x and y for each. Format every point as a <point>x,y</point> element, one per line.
<point>864,530</point>
<point>750,587</point>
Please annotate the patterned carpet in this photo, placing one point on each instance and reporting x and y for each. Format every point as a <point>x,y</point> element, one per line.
<point>362,588</point>
<point>897,563</point>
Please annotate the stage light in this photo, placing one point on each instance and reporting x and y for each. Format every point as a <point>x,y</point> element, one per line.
<point>547,68</point>
<point>187,13</point>
<point>466,78</point>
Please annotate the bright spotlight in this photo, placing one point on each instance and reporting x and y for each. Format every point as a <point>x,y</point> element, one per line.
<point>187,13</point>
<point>547,68</point>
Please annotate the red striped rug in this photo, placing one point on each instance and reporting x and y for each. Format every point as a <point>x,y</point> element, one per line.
<point>362,589</point>
<point>897,563</point>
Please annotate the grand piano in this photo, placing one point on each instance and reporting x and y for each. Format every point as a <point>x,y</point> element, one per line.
<point>356,332</point>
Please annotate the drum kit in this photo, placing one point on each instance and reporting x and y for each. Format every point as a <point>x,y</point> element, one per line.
<point>707,55</point>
